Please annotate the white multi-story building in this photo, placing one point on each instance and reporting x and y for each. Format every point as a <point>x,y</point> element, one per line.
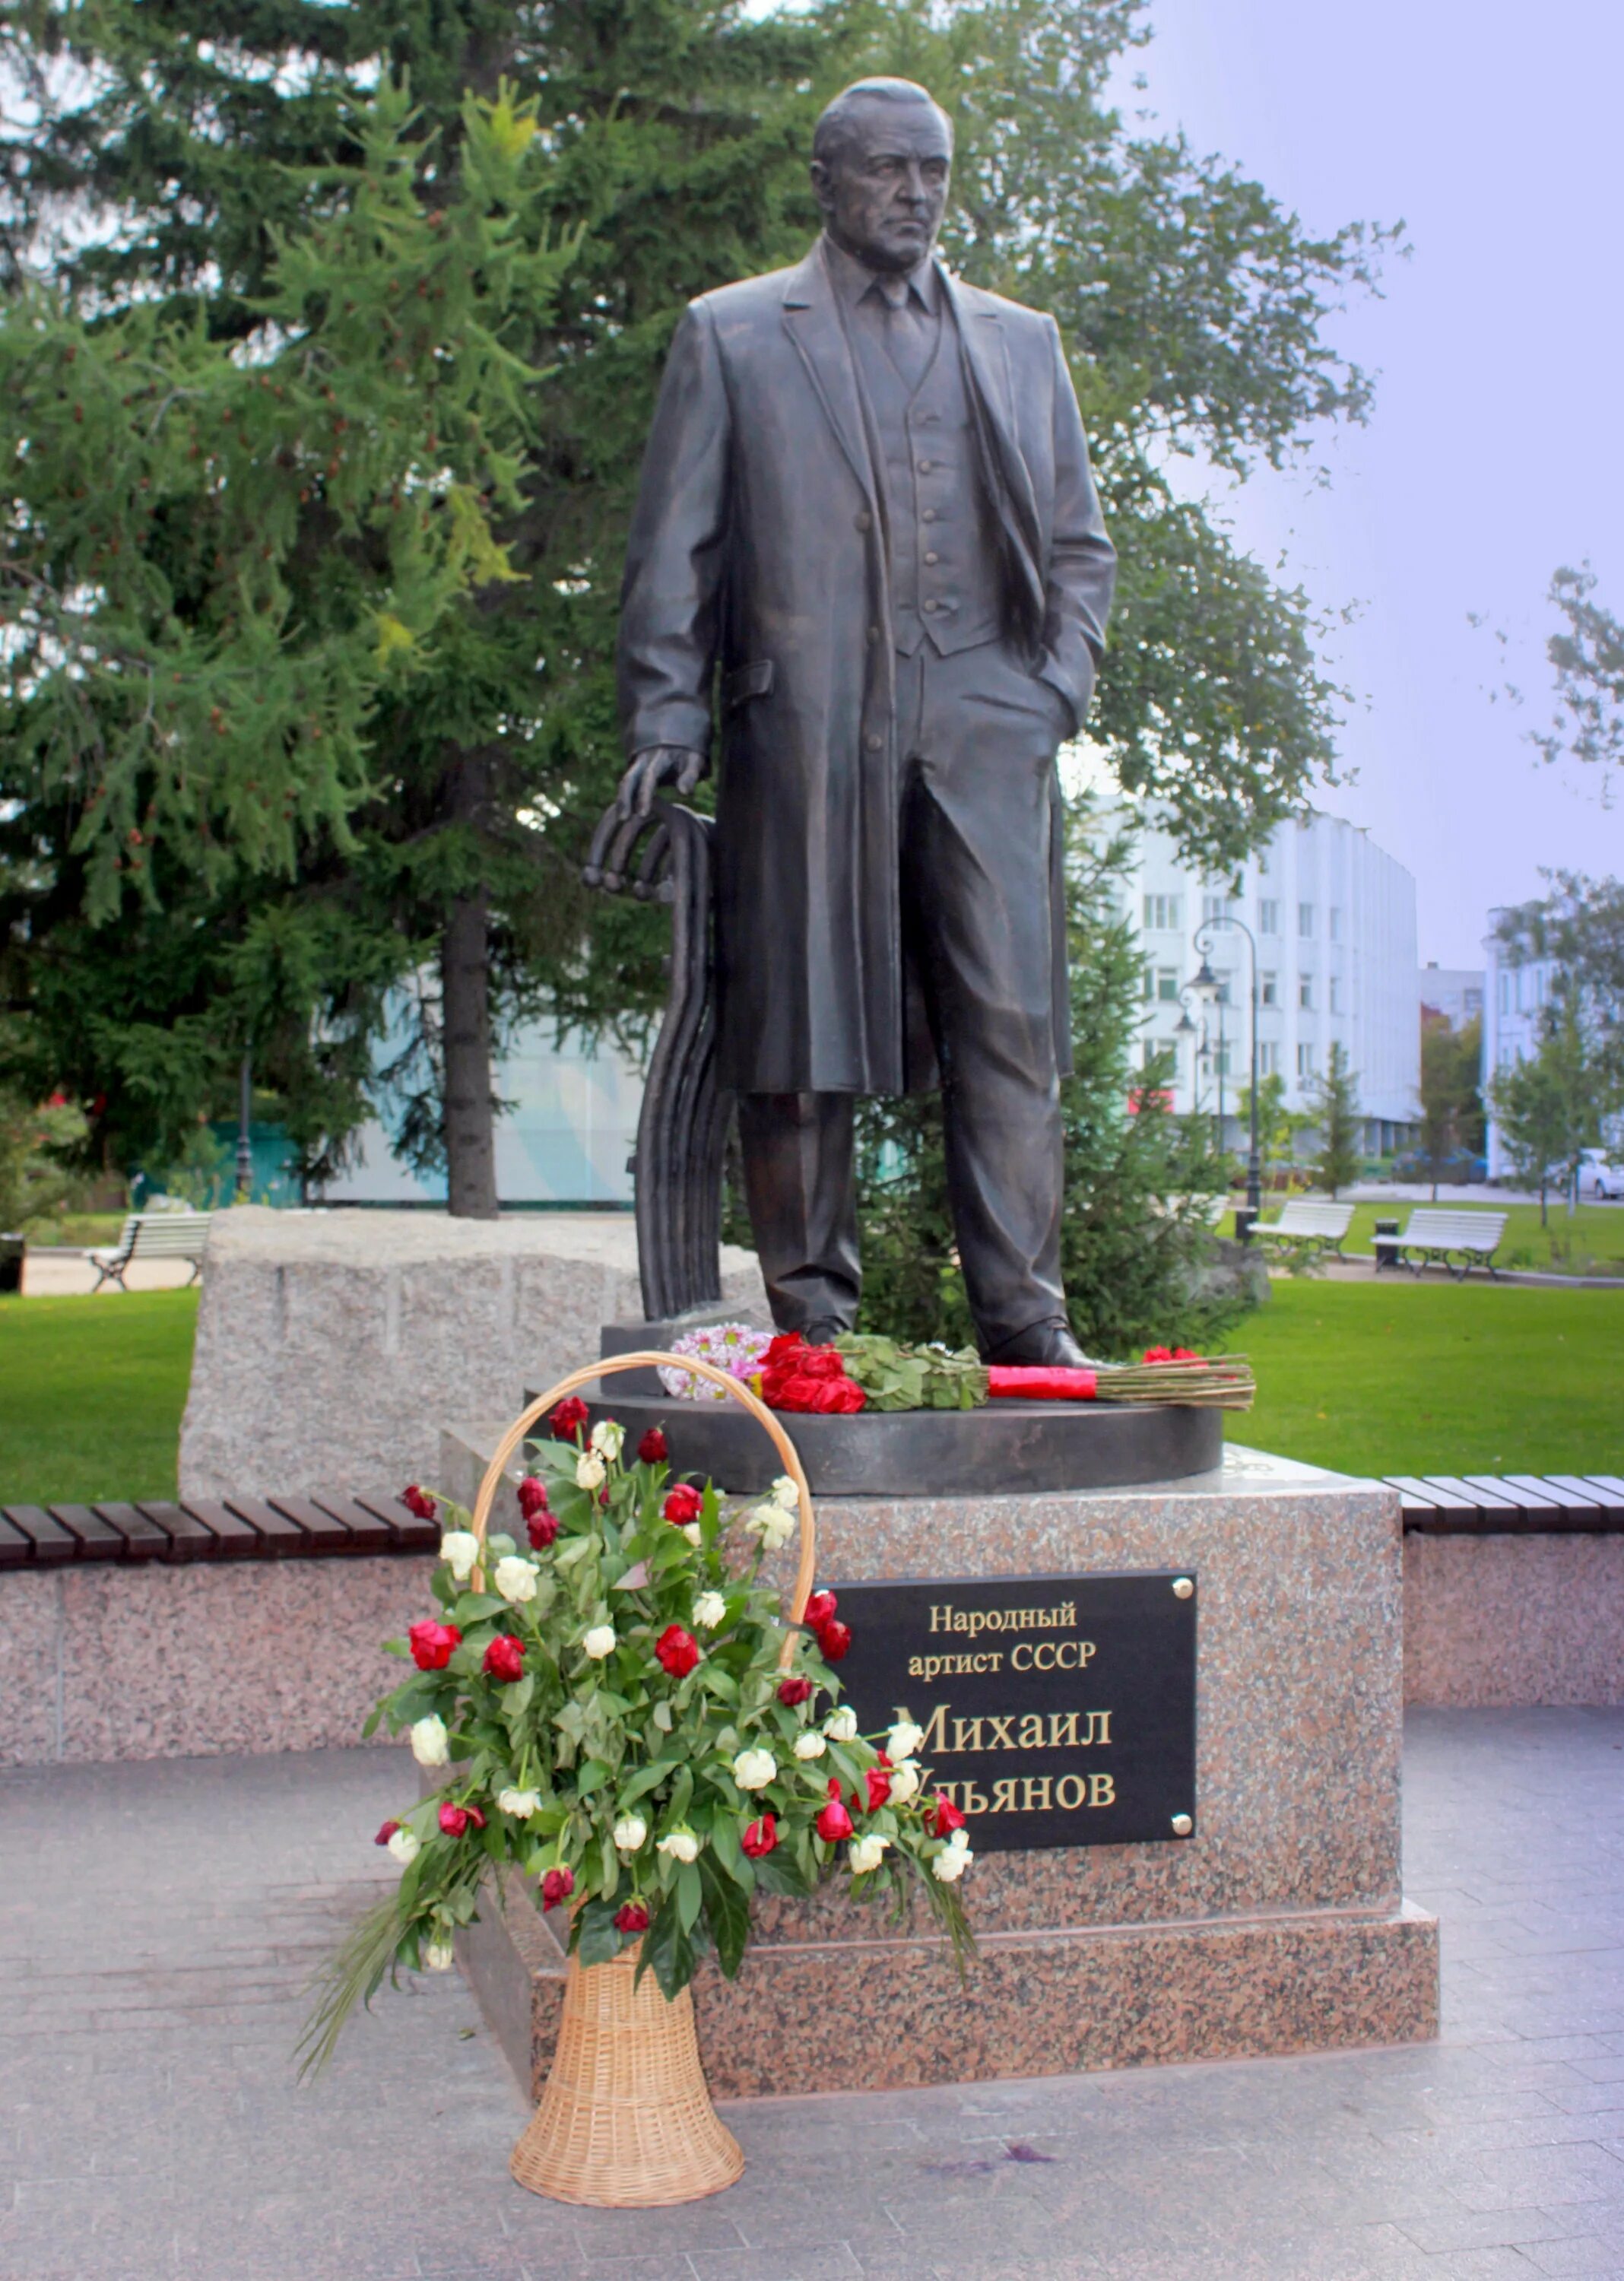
<point>1333,919</point>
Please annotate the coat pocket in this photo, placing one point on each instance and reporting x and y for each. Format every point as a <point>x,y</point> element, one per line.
<point>745,681</point>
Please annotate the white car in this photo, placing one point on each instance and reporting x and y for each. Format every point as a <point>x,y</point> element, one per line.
<point>1597,1177</point>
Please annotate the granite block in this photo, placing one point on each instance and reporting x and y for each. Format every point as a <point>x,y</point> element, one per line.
<point>159,1662</point>
<point>331,1344</point>
<point>1505,1620</point>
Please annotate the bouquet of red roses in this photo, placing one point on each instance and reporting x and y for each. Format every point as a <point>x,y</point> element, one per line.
<point>795,1376</point>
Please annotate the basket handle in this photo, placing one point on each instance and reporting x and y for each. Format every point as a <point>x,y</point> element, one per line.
<point>741,1393</point>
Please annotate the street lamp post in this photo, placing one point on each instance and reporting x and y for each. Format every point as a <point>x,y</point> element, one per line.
<point>1207,981</point>
<point>244,1131</point>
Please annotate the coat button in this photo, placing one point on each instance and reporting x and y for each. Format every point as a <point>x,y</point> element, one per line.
<point>865,520</point>
<point>924,467</point>
<point>933,557</point>
<point>929,515</point>
<point>873,633</point>
<point>874,741</point>
<point>929,606</point>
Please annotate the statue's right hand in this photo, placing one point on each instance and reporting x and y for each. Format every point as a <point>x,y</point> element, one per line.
<point>655,765</point>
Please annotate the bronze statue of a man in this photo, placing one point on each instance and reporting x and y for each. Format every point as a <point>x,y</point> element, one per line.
<point>866,501</point>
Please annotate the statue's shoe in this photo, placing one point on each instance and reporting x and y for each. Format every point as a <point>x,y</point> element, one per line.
<point>1050,1345</point>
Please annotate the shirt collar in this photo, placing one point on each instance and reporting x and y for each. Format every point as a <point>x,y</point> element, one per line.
<point>853,279</point>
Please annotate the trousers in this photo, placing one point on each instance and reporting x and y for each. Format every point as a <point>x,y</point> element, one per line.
<point>979,809</point>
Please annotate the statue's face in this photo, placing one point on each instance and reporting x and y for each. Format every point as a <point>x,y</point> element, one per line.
<point>883,193</point>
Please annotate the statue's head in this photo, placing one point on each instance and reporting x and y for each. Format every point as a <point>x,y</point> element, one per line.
<point>881,155</point>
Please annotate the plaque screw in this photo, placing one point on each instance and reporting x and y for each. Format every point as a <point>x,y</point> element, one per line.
<point>1183,1586</point>
<point>1182,1825</point>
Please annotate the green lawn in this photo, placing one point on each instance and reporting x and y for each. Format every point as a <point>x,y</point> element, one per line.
<point>1401,1377</point>
<point>1590,1243</point>
<point>91,1391</point>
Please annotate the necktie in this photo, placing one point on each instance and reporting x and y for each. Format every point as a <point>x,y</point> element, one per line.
<point>905,331</point>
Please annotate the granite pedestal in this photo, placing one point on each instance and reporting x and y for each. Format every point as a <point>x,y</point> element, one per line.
<point>1279,1927</point>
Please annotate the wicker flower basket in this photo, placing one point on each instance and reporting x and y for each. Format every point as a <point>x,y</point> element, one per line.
<point>625,2120</point>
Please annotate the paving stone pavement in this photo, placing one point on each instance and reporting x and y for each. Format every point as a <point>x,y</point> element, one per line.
<point>158,1922</point>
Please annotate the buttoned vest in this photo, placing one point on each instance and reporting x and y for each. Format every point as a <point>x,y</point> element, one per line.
<point>946,585</point>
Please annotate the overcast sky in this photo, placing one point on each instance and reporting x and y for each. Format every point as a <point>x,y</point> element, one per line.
<point>1493,455</point>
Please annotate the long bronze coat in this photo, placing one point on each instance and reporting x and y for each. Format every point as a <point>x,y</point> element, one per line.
<point>759,547</point>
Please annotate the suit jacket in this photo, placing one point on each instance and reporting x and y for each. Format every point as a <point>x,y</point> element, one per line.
<point>758,547</point>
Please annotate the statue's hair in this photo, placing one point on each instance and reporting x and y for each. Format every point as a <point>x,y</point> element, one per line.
<point>833,130</point>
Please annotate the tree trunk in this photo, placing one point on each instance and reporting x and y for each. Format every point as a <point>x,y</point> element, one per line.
<point>465,1001</point>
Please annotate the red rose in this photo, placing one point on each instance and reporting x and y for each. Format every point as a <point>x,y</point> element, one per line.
<point>533,1496</point>
<point>760,1837</point>
<point>1186,1354</point>
<point>651,1449</point>
<point>633,1918</point>
<point>947,1818</point>
<point>837,1397</point>
<point>567,1419</point>
<point>541,1529</point>
<point>793,1691</point>
<point>386,1833</point>
<point>454,1819</point>
<point>834,1638</point>
<point>476,1817</point>
<point>798,1392</point>
<point>419,1501</point>
<point>1158,1354</point>
<point>557,1886</point>
<point>820,1608</point>
<point>780,1350</point>
<point>505,1658</point>
<point>879,1779</point>
<point>684,1502</point>
<point>822,1362</point>
<point>834,1822</point>
<point>676,1650</point>
<point>432,1644</point>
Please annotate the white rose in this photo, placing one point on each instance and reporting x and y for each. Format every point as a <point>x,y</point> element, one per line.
<point>904,1738</point>
<point>590,1470</point>
<point>515,1579</point>
<point>629,1831</point>
<point>810,1745</point>
<point>430,1742</point>
<point>755,1769</point>
<point>709,1611</point>
<point>682,1846</point>
<point>608,1439</point>
<point>520,1803</point>
<point>784,1492</point>
<point>438,1955</point>
<point>841,1725</point>
<point>693,1533</point>
<point>459,1550</point>
<point>771,1524</point>
<point>867,1852</point>
<point>904,1782</point>
<point>599,1642</point>
<point>949,1865</point>
<point>405,1845</point>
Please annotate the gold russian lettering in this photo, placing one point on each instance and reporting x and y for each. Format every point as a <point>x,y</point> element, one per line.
<point>972,1801</point>
<point>1085,1654</point>
<point>966,1734</point>
<point>1032,1731</point>
<point>1078,1790</point>
<point>915,1666</point>
<point>941,1617</point>
<point>1002,1739</point>
<point>1003,1797</point>
<point>1034,1794</point>
<point>1063,1730</point>
<point>1015,1653</point>
<point>1102,1790</point>
<point>1098,1728</point>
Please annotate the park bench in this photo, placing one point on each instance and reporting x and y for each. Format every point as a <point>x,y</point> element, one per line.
<point>1308,1228</point>
<point>154,1235</point>
<point>1433,1232</point>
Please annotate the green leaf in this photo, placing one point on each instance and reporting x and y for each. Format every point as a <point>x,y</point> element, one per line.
<point>727,1912</point>
<point>475,1607</point>
<point>662,1716</point>
<point>599,1938</point>
<point>646,1778</point>
<point>690,1895</point>
<point>667,1952</point>
<point>516,1697</point>
<point>593,1775</point>
<point>730,1855</point>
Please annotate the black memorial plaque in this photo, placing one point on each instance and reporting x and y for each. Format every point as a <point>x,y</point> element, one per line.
<point>1058,1710</point>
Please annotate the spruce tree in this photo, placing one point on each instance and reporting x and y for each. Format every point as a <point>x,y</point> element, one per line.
<point>1336,1098</point>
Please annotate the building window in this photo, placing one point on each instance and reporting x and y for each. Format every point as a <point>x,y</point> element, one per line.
<point>1268,989</point>
<point>1305,1061</point>
<point>1336,993</point>
<point>1263,863</point>
<point>1221,994</point>
<point>1472,1000</point>
<point>1506,993</point>
<point>1305,992</point>
<point>1220,1059</point>
<point>1162,912</point>
<point>1167,985</point>
<point>1268,918</point>
<point>1154,1050</point>
<point>1335,923</point>
<point>1214,907</point>
<point>1268,1059</point>
<point>1305,920</point>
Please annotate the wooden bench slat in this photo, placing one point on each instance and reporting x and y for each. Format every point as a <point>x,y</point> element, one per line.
<point>53,1543</point>
<point>1427,1496</point>
<point>233,1536</point>
<point>189,1539</point>
<point>1512,1492</point>
<point>144,1539</point>
<point>16,1550</point>
<point>1553,1492</point>
<point>276,1533</point>
<point>1605,1500</point>
<point>411,1534</point>
<point>370,1534</point>
<point>1611,1484</point>
<point>98,1539</point>
<point>1486,1500</point>
<point>327,1533</point>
